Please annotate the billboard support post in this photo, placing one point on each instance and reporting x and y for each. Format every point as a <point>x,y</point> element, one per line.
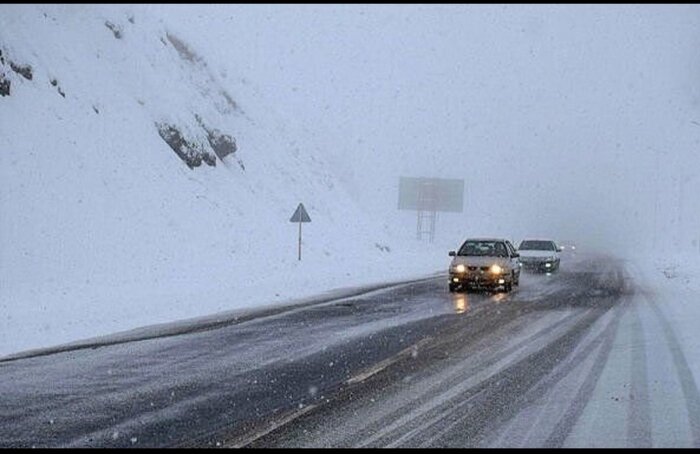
<point>428,196</point>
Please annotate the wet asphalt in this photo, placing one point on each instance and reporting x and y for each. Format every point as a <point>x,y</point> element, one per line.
<point>410,366</point>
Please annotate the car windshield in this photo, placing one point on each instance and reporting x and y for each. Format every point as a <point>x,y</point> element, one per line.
<point>483,248</point>
<point>530,245</point>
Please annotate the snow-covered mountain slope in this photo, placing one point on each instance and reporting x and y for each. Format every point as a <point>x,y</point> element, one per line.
<point>138,184</point>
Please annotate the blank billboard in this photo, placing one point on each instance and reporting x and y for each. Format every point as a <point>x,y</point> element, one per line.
<point>431,194</point>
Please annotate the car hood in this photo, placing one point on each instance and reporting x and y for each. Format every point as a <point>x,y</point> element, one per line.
<point>479,261</point>
<point>537,254</point>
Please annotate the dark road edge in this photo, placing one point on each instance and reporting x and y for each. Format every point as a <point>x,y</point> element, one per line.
<point>214,321</point>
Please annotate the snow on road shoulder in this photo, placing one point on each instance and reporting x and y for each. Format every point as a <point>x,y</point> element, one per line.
<point>91,311</point>
<point>673,283</point>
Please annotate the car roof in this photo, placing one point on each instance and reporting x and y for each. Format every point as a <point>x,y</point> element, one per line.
<point>539,239</point>
<point>485,239</point>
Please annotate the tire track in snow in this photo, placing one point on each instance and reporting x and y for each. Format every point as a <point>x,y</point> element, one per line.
<point>639,419</point>
<point>572,414</point>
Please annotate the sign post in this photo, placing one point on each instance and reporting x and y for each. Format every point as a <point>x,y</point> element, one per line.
<point>300,216</point>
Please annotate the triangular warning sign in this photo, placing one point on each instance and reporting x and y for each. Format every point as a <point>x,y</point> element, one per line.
<point>300,215</point>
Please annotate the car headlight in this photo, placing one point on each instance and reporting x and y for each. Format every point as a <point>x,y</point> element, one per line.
<point>496,269</point>
<point>460,268</point>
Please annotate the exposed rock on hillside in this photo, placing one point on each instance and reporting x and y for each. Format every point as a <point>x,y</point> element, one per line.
<point>23,70</point>
<point>190,152</point>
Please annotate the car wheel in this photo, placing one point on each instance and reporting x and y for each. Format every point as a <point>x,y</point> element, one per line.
<point>508,286</point>
<point>516,280</point>
<point>453,288</point>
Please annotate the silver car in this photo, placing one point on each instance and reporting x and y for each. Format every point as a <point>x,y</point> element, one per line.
<point>484,263</point>
<point>540,255</point>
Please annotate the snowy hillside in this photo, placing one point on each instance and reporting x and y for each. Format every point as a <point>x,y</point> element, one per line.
<point>141,184</point>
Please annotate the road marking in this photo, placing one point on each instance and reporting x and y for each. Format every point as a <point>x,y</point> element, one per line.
<point>274,425</point>
<point>380,366</point>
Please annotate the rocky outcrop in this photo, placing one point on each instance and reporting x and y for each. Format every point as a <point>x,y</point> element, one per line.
<point>4,81</point>
<point>222,144</point>
<point>182,49</point>
<point>4,85</point>
<point>23,70</point>
<point>192,153</point>
<point>116,29</point>
<point>54,82</point>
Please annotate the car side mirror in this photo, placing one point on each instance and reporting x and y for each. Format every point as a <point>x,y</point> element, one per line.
<point>452,253</point>
<point>516,255</point>
<point>559,249</point>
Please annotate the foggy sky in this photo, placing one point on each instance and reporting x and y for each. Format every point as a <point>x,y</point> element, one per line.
<point>571,121</point>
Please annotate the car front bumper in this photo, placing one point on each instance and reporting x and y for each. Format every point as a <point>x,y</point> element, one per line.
<point>477,279</point>
<point>541,266</point>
